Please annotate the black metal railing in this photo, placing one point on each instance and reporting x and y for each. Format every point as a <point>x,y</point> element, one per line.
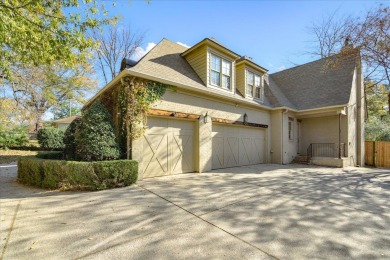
<point>325,150</point>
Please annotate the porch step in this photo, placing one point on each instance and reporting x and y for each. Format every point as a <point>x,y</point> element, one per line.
<point>300,159</point>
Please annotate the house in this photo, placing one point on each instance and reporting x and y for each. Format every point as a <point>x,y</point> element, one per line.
<point>63,123</point>
<point>227,111</point>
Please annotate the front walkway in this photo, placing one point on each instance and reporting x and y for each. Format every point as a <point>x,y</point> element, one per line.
<point>255,212</point>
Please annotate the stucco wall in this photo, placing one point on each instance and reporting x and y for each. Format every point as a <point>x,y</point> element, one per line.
<point>194,104</point>
<point>276,137</point>
<point>322,130</point>
<point>291,145</point>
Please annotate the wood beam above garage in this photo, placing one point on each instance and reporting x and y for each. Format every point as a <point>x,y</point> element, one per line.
<point>166,113</point>
<point>226,121</point>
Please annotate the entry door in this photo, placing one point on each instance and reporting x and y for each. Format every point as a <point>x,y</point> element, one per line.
<point>168,147</point>
<point>236,146</point>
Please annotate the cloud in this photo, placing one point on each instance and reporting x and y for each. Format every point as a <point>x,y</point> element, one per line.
<point>140,52</point>
<point>281,68</point>
<point>183,44</point>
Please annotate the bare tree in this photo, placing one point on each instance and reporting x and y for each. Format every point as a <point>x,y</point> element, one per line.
<point>369,33</point>
<point>114,45</point>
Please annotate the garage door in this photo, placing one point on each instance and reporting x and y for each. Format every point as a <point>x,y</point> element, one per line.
<point>237,146</point>
<point>168,147</point>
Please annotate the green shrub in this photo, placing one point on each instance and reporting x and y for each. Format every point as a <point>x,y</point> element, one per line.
<point>31,171</point>
<point>51,138</point>
<point>72,175</point>
<point>12,137</point>
<point>95,135</point>
<point>51,155</point>
<point>69,140</point>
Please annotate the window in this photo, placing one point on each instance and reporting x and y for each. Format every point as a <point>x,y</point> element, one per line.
<point>249,84</point>
<point>254,85</point>
<point>290,129</point>
<point>220,72</point>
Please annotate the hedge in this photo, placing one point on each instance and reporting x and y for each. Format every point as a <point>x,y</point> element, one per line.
<point>72,175</point>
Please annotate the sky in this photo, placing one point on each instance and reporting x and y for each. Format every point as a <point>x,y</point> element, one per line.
<point>274,33</point>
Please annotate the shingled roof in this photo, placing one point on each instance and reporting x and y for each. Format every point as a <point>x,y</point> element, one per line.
<point>312,85</point>
<point>321,83</point>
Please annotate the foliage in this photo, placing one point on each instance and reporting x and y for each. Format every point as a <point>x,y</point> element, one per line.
<point>114,45</point>
<point>69,139</point>
<point>12,137</point>
<point>37,89</point>
<point>377,99</point>
<point>95,135</point>
<point>50,155</point>
<point>65,108</point>
<point>134,99</point>
<point>38,32</point>
<point>51,138</point>
<point>369,33</point>
<point>11,115</point>
<point>71,175</point>
<point>378,128</point>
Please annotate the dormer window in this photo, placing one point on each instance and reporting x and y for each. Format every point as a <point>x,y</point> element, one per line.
<point>254,85</point>
<point>220,72</point>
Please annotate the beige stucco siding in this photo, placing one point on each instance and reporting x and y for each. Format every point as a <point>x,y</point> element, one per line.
<point>198,61</point>
<point>194,104</point>
<point>276,137</point>
<point>322,130</point>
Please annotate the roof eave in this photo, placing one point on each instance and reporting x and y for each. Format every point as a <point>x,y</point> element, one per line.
<point>251,63</point>
<point>211,43</point>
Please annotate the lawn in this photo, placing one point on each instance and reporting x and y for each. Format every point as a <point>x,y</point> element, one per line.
<point>7,156</point>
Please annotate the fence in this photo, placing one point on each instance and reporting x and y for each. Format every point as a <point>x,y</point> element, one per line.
<point>377,154</point>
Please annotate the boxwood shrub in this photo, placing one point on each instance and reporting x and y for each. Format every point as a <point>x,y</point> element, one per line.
<point>73,175</point>
<point>51,138</point>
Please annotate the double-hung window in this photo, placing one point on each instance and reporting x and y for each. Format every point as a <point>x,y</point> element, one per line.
<point>220,72</point>
<point>254,85</point>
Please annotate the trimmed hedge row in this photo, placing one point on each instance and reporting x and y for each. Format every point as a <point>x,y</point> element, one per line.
<point>72,175</point>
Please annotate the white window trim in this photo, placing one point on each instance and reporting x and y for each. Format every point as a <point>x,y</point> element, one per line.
<point>232,71</point>
<point>255,73</point>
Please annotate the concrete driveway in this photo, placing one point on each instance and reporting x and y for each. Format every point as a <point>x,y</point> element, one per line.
<point>254,212</point>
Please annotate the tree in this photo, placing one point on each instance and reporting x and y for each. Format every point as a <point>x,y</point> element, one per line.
<point>65,108</point>
<point>11,115</point>
<point>37,89</point>
<point>114,45</point>
<point>369,33</point>
<point>40,32</point>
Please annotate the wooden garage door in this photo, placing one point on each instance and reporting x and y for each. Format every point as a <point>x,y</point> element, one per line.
<point>168,147</point>
<point>237,146</point>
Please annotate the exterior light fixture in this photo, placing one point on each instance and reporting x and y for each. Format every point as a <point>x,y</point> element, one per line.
<point>245,119</point>
<point>206,118</point>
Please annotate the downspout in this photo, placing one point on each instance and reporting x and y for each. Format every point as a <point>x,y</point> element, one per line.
<point>282,153</point>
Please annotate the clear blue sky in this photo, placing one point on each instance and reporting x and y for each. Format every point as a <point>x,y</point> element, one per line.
<point>273,33</point>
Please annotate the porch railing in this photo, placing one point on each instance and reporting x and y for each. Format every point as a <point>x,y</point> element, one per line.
<point>325,150</point>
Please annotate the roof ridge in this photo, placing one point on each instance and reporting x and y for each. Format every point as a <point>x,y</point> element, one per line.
<point>304,64</point>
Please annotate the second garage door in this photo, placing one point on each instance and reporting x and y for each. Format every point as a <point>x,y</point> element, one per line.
<point>168,147</point>
<point>236,146</point>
